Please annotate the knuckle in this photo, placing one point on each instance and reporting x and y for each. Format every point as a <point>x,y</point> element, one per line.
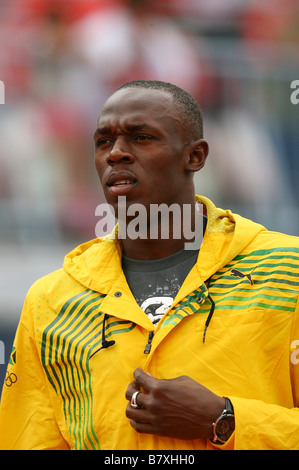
<point>153,405</point>
<point>130,412</point>
<point>156,387</point>
<point>137,426</point>
<point>183,378</point>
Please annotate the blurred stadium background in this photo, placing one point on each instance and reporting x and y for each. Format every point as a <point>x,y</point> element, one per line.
<point>59,61</point>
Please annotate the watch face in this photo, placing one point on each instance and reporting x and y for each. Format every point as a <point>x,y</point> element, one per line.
<point>225,427</point>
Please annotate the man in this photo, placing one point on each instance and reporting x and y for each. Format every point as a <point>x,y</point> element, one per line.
<point>214,366</point>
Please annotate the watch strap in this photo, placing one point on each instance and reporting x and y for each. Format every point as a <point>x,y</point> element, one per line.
<point>228,411</point>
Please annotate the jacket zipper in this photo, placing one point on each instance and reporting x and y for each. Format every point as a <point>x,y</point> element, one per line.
<point>149,343</point>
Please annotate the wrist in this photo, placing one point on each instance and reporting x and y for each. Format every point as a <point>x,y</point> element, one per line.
<point>214,413</point>
<point>224,425</point>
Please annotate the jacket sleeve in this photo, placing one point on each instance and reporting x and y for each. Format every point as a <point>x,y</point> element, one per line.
<point>262,426</point>
<point>27,420</point>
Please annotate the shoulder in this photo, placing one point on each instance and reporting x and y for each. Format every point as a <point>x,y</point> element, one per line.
<point>273,260</point>
<point>267,241</point>
<point>47,285</point>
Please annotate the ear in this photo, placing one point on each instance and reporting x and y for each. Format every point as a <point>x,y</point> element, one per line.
<point>196,155</point>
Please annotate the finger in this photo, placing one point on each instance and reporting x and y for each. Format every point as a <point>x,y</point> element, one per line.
<point>132,387</point>
<point>144,379</point>
<point>143,428</point>
<point>134,403</point>
<point>141,415</point>
<point>136,413</point>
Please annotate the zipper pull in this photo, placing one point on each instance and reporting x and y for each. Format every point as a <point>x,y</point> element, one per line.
<point>149,343</point>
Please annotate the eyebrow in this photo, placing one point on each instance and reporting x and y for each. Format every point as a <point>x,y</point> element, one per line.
<point>130,127</point>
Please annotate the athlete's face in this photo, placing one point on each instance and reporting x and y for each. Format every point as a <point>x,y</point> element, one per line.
<point>141,149</point>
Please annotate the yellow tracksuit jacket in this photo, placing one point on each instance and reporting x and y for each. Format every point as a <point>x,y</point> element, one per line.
<point>56,396</point>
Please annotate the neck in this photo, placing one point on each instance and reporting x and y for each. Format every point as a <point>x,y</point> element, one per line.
<point>162,236</point>
<point>151,249</point>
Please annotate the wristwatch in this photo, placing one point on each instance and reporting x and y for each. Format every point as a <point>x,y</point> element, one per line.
<point>224,426</point>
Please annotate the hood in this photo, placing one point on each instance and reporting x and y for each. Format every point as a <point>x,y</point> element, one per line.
<point>97,264</point>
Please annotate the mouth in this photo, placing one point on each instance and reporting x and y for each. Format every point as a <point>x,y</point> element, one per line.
<point>120,183</point>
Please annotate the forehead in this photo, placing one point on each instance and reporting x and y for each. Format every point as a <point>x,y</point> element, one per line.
<point>139,103</point>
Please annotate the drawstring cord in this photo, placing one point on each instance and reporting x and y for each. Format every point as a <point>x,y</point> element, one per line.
<point>209,318</point>
<point>105,343</point>
<point>211,312</point>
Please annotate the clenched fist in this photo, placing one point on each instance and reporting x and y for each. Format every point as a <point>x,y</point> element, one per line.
<point>180,408</point>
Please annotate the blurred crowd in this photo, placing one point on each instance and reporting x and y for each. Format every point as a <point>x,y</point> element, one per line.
<point>60,60</point>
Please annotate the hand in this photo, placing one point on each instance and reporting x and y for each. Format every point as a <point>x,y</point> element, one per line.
<point>180,408</point>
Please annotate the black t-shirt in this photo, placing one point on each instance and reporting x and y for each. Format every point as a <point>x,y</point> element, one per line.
<point>155,283</point>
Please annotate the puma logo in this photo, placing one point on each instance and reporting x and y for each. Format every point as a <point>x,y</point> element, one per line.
<point>236,273</point>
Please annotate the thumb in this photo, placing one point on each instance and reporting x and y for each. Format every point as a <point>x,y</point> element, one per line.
<point>143,379</point>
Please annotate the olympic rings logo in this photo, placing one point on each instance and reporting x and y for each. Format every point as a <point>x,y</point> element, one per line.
<point>10,379</point>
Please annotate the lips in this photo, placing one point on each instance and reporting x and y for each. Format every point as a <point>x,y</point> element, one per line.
<point>121,182</point>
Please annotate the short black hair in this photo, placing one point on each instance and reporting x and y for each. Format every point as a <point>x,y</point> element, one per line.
<point>188,107</point>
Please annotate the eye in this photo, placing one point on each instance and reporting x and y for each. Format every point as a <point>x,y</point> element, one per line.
<point>102,141</point>
<point>143,137</point>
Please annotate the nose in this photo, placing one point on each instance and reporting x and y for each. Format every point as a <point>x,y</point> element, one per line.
<point>119,153</point>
